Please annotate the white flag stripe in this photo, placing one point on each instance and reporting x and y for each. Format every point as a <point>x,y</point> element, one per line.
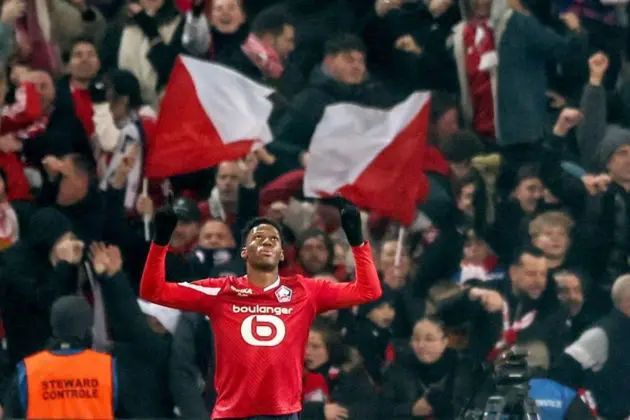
<point>237,106</point>
<point>349,137</point>
<point>210,291</point>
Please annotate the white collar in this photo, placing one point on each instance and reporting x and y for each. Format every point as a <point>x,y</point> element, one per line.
<point>272,285</point>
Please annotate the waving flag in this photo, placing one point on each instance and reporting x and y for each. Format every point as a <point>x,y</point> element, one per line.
<point>372,157</point>
<point>209,114</point>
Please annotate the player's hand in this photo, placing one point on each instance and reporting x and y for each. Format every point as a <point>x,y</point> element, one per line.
<point>165,221</point>
<point>350,219</point>
<point>333,411</point>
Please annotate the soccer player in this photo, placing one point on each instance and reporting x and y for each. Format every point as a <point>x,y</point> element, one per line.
<point>260,321</point>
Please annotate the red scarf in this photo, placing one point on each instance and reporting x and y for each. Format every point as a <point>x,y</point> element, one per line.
<point>44,53</point>
<point>478,41</point>
<point>263,56</point>
<point>510,332</point>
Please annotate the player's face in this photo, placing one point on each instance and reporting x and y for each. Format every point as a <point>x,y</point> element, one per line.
<point>263,248</point>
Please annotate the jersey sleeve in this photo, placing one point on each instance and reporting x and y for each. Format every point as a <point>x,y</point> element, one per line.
<point>196,296</point>
<point>365,288</point>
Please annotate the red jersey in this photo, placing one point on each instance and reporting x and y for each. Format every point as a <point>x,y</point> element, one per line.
<point>260,334</point>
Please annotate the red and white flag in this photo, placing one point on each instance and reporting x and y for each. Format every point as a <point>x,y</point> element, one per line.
<point>209,114</point>
<point>372,157</point>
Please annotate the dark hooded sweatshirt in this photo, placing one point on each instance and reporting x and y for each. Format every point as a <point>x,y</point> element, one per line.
<point>30,284</point>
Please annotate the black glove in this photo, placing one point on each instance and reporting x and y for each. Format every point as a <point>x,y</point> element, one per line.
<point>98,91</point>
<point>350,219</point>
<point>164,223</point>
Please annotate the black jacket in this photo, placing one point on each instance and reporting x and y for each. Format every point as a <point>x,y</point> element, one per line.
<point>549,326</point>
<point>352,390</point>
<point>29,286</point>
<point>192,367</point>
<point>143,355</point>
<point>410,380</point>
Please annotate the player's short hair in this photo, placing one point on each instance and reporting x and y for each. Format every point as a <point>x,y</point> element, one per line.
<point>257,221</point>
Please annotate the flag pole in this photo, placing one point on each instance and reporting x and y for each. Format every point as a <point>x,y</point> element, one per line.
<point>399,245</point>
<point>146,219</point>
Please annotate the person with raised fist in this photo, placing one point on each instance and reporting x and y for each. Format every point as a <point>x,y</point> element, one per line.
<point>260,320</point>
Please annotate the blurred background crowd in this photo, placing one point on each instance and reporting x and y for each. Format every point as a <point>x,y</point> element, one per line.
<point>524,237</point>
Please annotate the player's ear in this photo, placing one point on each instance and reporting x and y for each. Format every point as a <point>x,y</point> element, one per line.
<point>281,255</point>
<point>244,253</point>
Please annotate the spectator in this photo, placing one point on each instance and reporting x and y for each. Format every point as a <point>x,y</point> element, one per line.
<point>147,46</point>
<point>40,268</point>
<point>602,234</point>
<point>192,367</point>
<point>217,250</point>
<point>141,335</point>
<point>420,384</point>
<point>315,253</point>
<point>371,335</point>
<point>217,31</point>
<point>123,125</point>
<point>263,55</point>
<point>524,301</point>
<point>573,288</point>
<point>601,353</point>
<point>502,172</point>
<point>551,232</point>
<point>342,76</point>
<point>46,34</point>
<point>68,359</point>
<point>328,389</point>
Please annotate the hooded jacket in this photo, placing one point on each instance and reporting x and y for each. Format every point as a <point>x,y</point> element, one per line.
<point>30,284</point>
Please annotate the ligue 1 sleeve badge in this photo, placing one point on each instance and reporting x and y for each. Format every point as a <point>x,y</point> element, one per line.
<point>283,294</point>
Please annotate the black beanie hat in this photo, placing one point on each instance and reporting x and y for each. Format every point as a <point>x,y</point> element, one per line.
<point>614,138</point>
<point>388,296</point>
<point>71,318</point>
<point>126,84</point>
<point>46,227</point>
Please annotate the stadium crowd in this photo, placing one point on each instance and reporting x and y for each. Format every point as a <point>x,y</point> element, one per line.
<point>522,235</point>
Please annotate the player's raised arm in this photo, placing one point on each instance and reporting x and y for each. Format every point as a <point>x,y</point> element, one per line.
<point>195,296</point>
<point>366,287</point>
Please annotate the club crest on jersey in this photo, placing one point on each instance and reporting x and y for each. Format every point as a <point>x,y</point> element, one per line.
<point>242,292</point>
<point>283,294</point>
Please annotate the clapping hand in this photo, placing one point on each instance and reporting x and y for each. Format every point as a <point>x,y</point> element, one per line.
<point>69,249</point>
<point>105,259</point>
